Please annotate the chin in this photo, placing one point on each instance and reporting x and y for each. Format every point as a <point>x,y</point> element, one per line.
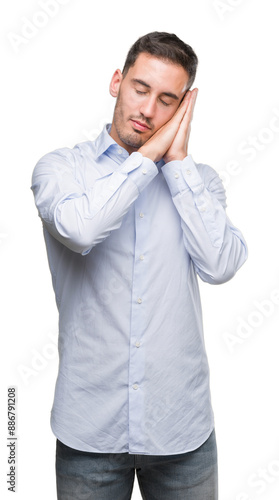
<point>132,141</point>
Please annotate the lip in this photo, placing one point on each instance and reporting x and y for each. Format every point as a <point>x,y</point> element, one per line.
<point>140,126</point>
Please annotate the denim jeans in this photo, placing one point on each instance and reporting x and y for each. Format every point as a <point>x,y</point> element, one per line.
<point>109,476</point>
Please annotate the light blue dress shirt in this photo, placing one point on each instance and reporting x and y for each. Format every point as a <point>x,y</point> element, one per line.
<point>125,242</point>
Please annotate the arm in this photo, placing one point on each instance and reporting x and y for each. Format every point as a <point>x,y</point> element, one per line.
<point>216,247</point>
<point>78,216</point>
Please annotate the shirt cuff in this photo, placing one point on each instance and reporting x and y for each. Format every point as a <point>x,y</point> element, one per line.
<point>182,175</point>
<point>141,170</point>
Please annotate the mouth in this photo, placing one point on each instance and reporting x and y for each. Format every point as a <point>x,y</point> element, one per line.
<point>139,125</point>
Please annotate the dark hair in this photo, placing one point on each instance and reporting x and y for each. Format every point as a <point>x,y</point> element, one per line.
<point>164,46</point>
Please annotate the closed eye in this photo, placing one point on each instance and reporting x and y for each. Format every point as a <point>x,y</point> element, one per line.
<point>165,103</point>
<point>140,92</point>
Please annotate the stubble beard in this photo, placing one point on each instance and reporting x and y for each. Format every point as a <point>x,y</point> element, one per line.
<point>133,140</point>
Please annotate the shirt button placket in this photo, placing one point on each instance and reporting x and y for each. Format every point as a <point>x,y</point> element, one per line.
<point>137,352</point>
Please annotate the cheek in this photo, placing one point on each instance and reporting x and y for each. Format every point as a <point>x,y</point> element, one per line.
<point>129,103</point>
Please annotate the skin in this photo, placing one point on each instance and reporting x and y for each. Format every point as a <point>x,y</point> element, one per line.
<point>153,111</point>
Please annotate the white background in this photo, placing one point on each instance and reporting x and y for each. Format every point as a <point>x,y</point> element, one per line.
<point>55,78</point>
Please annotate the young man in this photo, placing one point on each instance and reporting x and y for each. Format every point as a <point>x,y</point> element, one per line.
<point>129,222</point>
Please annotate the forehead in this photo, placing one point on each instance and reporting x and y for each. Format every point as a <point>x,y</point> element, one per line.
<point>161,75</point>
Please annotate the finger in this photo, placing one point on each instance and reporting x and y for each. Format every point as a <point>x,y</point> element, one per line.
<point>192,101</point>
<point>188,115</point>
<point>174,123</point>
<point>187,104</point>
<point>175,120</point>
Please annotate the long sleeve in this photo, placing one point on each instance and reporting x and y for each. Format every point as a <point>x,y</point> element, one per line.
<point>80,214</point>
<point>216,247</point>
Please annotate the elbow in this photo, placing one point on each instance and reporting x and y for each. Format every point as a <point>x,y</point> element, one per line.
<point>216,276</point>
<point>225,266</point>
<point>80,241</point>
<point>80,246</point>
<point>230,262</point>
<point>75,242</point>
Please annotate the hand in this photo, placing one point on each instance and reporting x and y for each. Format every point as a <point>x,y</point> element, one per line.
<point>164,143</point>
<point>179,147</point>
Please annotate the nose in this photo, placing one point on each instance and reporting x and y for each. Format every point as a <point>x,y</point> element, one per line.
<point>148,106</point>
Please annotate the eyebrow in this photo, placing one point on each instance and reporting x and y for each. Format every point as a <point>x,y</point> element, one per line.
<point>168,94</point>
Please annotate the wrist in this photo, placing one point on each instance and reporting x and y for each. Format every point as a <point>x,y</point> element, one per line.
<point>148,154</point>
<point>175,157</point>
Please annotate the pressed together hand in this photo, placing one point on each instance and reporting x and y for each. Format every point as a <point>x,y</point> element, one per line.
<point>170,142</point>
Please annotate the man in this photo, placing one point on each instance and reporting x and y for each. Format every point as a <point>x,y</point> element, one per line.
<point>129,222</point>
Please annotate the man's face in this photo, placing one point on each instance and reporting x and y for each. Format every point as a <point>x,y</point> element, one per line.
<point>147,97</point>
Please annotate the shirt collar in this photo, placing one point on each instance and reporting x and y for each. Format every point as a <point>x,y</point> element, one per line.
<point>104,142</point>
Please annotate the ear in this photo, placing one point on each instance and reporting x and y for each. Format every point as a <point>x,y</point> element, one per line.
<point>115,83</point>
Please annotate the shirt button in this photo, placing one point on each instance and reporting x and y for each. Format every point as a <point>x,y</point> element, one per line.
<point>141,257</point>
<point>139,300</point>
<point>119,151</point>
<point>137,344</point>
<point>141,215</point>
<point>203,209</point>
<point>188,172</point>
<point>135,387</point>
<point>176,176</point>
<point>144,172</point>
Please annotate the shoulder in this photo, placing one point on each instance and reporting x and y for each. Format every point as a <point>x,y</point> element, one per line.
<point>64,159</point>
<point>75,154</point>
